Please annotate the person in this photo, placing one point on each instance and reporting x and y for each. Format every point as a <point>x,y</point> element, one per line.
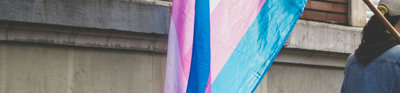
<point>375,65</point>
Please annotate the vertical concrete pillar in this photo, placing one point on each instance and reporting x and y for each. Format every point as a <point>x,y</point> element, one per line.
<point>357,13</point>
<point>70,71</point>
<point>2,69</point>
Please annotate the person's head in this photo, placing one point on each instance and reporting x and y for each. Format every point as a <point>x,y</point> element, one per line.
<point>375,28</point>
<point>392,5</point>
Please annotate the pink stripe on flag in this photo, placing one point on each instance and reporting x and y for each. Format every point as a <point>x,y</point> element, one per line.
<point>175,80</point>
<point>229,22</point>
<point>260,5</point>
<point>208,88</point>
<point>183,16</point>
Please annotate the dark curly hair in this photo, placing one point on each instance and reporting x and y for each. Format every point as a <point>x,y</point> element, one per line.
<point>375,27</point>
<point>375,39</point>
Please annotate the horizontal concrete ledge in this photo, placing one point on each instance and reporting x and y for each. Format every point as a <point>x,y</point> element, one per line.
<point>145,16</point>
<point>313,58</point>
<point>78,36</point>
<point>295,51</point>
<point>152,16</point>
<point>319,36</point>
<point>156,2</point>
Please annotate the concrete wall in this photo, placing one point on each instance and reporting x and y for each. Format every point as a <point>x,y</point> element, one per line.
<point>292,78</point>
<point>41,68</point>
<point>324,37</point>
<point>127,15</point>
<point>44,68</point>
<point>119,46</point>
<point>43,58</point>
<point>297,71</point>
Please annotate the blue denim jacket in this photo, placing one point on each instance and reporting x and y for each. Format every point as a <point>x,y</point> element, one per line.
<point>382,75</point>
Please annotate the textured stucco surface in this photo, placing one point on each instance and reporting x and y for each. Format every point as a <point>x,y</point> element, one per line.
<point>290,78</point>
<point>43,68</point>
<point>124,15</point>
<point>324,37</point>
<point>119,46</point>
<point>37,68</point>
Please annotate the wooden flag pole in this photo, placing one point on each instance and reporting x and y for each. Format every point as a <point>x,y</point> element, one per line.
<point>383,19</point>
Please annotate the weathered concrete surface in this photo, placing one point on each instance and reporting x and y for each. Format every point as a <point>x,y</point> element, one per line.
<point>356,13</point>
<point>300,71</point>
<point>118,46</point>
<point>88,37</point>
<point>42,68</point>
<point>3,67</point>
<point>297,51</point>
<point>292,78</point>
<point>316,58</point>
<point>148,16</point>
<point>306,35</point>
<point>114,61</point>
<point>319,36</point>
<point>127,15</point>
<point>38,68</point>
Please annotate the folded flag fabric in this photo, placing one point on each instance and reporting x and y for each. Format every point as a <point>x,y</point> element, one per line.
<point>225,46</point>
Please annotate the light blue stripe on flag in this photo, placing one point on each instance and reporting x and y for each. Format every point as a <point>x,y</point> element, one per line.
<point>259,46</point>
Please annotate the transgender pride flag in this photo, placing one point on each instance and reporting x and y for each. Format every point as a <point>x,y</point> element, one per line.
<point>226,46</point>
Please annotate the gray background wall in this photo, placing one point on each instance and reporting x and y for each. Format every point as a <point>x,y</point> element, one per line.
<point>43,68</point>
<point>119,46</point>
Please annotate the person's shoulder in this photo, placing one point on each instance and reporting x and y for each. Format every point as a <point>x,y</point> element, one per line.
<point>392,54</point>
